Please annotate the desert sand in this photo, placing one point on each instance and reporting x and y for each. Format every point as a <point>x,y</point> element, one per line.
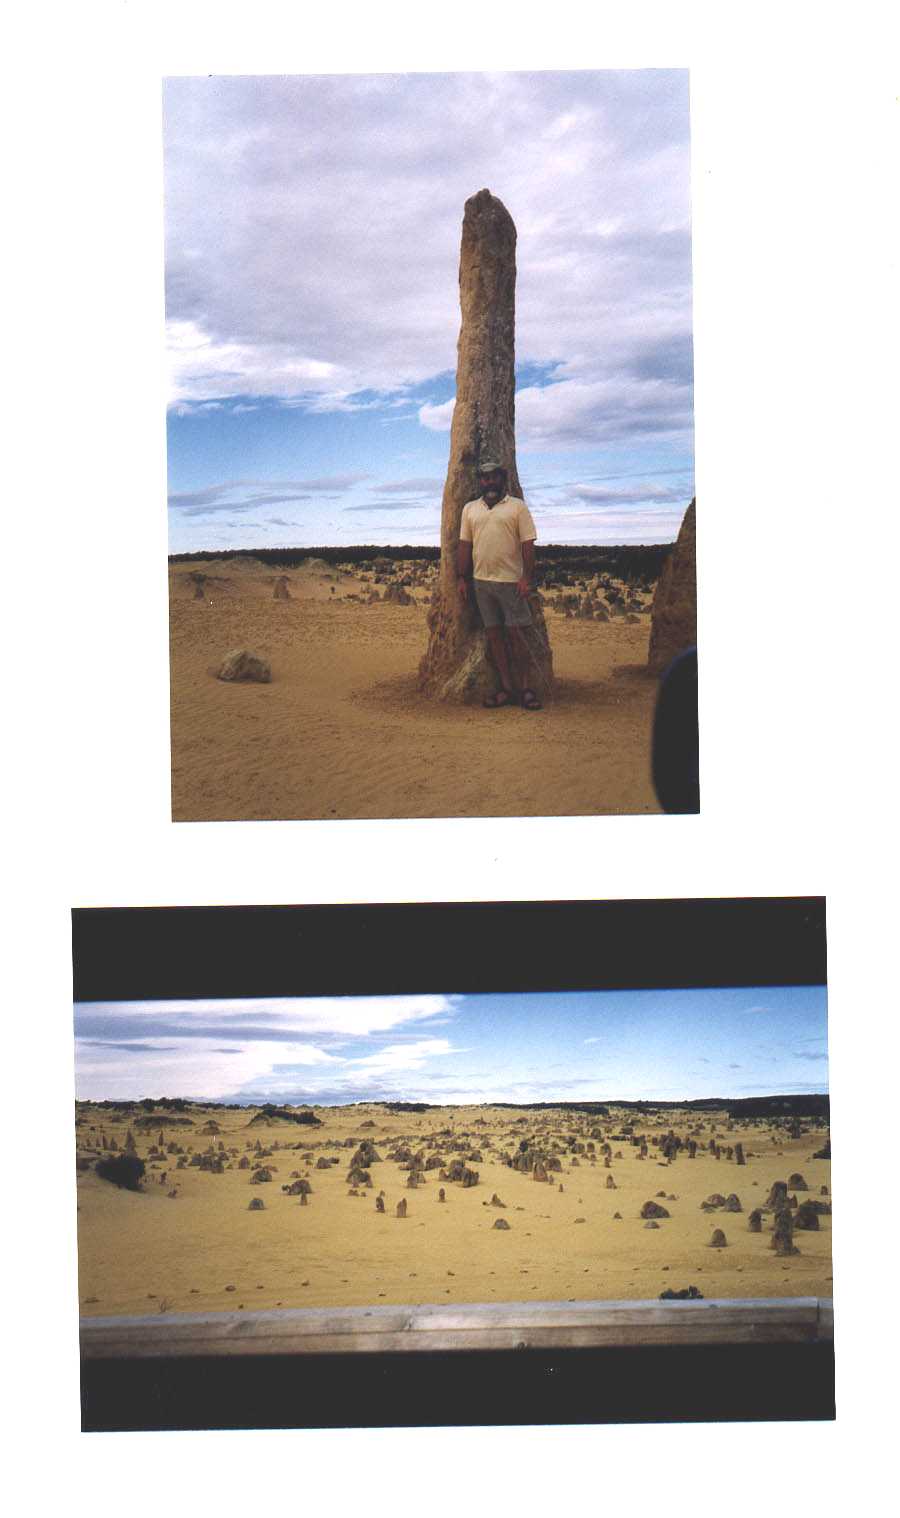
<point>342,732</point>
<point>189,1241</point>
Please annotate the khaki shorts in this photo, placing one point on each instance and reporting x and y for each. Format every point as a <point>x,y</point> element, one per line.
<point>500,604</point>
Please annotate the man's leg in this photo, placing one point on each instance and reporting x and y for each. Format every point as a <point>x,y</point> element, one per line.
<point>521,660</point>
<point>499,656</point>
<point>519,657</point>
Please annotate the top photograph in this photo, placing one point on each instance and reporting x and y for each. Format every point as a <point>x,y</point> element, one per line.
<point>432,542</point>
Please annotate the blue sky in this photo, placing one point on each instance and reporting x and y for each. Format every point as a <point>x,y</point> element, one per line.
<point>312,249</point>
<point>562,1046</point>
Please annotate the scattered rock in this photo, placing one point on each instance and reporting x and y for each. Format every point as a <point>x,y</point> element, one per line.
<point>256,1204</point>
<point>754,1221</point>
<point>783,1234</point>
<point>500,1223</point>
<point>718,1240</point>
<point>653,1210</point>
<point>401,1208</point>
<point>687,1294</point>
<point>242,665</point>
<point>777,1197</point>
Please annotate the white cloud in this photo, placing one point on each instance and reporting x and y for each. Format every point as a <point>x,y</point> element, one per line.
<point>218,1048</point>
<point>411,1056</point>
<point>313,229</point>
<point>437,418</point>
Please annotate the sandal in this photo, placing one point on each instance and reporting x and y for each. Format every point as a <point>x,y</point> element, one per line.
<point>530,702</point>
<point>497,699</point>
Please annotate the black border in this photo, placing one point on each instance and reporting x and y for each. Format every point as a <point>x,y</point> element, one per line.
<point>150,952</point>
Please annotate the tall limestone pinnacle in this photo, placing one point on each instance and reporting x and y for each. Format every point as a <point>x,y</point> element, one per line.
<point>456,665</point>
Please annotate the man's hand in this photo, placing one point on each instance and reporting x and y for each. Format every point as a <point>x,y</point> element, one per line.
<point>463,588</point>
<point>523,586</point>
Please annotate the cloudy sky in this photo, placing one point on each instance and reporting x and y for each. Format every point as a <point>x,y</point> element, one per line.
<point>313,227</point>
<point>564,1046</point>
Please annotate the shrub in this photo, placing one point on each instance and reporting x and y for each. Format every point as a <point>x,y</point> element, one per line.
<point>124,1170</point>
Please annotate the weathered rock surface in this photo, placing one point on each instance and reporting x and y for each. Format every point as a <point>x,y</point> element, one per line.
<point>243,665</point>
<point>456,666</point>
<point>654,1210</point>
<point>783,1233</point>
<point>673,618</point>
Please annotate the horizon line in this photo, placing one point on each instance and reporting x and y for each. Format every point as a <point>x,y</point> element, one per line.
<point>606,1101</point>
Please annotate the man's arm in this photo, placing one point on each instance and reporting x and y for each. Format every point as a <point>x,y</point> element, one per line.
<point>464,567</point>
<point>527,580</point>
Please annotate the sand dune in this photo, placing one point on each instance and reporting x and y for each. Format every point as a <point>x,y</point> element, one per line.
<point>342,731</point>
<point>205,1248</point>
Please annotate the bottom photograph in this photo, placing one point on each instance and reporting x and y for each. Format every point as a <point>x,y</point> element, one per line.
<point>447,1165</point>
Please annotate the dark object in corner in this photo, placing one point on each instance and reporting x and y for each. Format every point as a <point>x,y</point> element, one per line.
<point>676,758</point>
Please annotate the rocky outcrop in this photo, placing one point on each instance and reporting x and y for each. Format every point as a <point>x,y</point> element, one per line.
<point>777,1197</point>
<point>673,618</point>
<point>456,666</point>
<point>783,1233</point>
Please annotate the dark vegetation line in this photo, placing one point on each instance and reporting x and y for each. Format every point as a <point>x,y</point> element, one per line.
<point>640,561</point>
<point>810,1105</point>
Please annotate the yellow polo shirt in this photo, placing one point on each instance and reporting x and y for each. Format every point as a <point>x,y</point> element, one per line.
<point>497,535</point>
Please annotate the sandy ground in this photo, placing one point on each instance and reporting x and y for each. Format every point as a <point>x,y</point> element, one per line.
<point>342,732</point>
<point>203,1249</point>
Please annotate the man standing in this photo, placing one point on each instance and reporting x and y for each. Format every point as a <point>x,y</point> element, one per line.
<point>496,538</point>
